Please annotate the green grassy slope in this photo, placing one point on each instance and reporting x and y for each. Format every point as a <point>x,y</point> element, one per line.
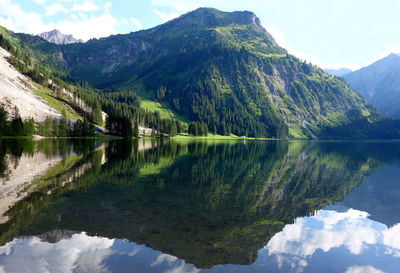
<point>224,69</point>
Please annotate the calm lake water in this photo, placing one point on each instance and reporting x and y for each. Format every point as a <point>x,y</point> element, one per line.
<point>161,206</point>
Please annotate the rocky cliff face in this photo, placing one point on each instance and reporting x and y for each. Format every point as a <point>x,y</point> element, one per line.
<point>15,182</point>
<point>57,37</point>
<point>16,91</point>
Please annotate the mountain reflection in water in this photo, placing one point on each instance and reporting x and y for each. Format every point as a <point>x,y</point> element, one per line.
<point>167,206</point>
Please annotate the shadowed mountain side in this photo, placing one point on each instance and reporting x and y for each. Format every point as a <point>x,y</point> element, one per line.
<point>379,84</point>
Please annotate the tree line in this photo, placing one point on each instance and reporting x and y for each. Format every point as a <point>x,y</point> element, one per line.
<point>198,129</point>
<point>122,107</point>
<point>50,127</point>
<point>14,126</point>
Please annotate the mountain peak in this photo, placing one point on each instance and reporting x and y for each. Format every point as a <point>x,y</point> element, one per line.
<point>54,31</point>
<point>212,17</point>
<point>56,37</point>
<point>203,18</point>
<point>241,24</point>
<point>393,56</point>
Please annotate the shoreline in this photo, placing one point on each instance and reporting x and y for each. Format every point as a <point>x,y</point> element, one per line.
<point>188,137</point>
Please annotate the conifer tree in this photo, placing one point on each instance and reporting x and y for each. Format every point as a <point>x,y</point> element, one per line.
<point>136,130</point>
<point>3,121</point>
<point>29,127</point>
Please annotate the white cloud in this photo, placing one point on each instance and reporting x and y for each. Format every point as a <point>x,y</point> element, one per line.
<point>78,253</point>
<point>327,230</point>
<point>175,9</point>
<point>107,6</point>
<point>178,5</point>
<point>54,9</point>
<point>163,258</point>
<point>136,22</point>
<point>83,16</point>
<point>14,18</point>
<point>363,269</point>
<point>91,27</point>
<point>82,26</point>
<point>184,8</point>
<point>85,7</point>
<point>69,1</point>
<point>183,268</point>
<point>132,21</point>
<point>164,16</point>
<point>40,2</point>
<point>83,253</point>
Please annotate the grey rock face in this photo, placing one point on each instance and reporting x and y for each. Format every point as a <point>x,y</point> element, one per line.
<point>57,37</point>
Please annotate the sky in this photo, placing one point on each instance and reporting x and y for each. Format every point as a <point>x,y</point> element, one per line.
<point>328,33</point>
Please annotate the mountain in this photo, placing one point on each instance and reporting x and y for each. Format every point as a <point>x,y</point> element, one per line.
<point>220,68</point>
<point>17,90</point>
<point>35,99</point>
<point>338,72</point>
<point>28,90</point>
<point>379,84</point>
<point>57,37</point>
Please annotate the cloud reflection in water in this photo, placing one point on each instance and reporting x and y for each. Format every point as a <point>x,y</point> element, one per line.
<point>329,241</point>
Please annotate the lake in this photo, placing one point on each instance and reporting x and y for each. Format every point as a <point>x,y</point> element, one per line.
<point>199,206</point>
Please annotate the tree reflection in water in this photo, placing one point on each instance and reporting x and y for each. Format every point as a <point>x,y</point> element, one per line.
<point>206,203</point>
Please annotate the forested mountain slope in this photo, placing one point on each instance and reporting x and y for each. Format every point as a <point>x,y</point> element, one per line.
<point>223,69</point>
<point>35,100</point>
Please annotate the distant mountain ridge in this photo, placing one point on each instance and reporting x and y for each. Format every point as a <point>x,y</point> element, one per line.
<point>338,72</point>
<point>56,37</point>
<point>379,84</point>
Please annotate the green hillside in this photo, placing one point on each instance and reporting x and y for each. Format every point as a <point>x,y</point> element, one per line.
<point>75,100</point>
<point>223,69</point>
